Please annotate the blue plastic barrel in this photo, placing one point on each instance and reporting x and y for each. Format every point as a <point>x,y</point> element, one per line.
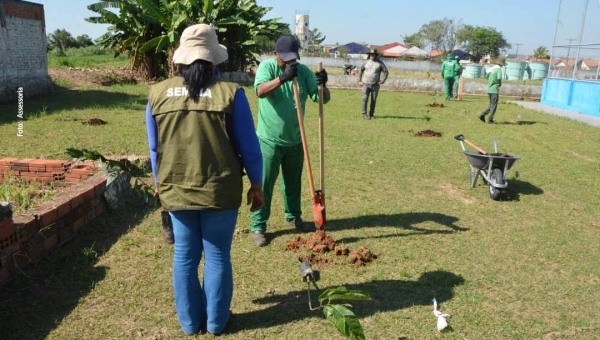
<point>539,70</point>
<point>472,71</point>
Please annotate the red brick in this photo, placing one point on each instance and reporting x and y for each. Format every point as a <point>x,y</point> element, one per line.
<point>76,201</point>
<point>63,209</point>
<point>66,233</point>
<point>79,223</point>
<point>91,215</point>
<point>7,161</point>
<point>96,202</point>
<point>99,210</point>
<point>47,213</point>
<point>89,193</point>
<point>38,164</point>
<point>6,229</point>
<point>50,242</point>
<point>28,223</point>
<point>35,251</point>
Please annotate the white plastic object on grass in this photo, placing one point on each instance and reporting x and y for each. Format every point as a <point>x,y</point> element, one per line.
<point>441,317</point>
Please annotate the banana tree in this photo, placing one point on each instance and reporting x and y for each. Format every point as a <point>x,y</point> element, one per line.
<point>149,30</point>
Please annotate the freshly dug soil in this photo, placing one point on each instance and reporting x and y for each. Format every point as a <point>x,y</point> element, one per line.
<point>319,242</point>
<point>427,133</point>
<point>435,105</point>
<point>314,259</point>
<point>361,257</point>
<point>94,121</point>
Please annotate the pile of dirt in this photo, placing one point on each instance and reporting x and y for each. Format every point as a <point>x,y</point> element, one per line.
<point>435,105</point>
<point>94,121</point>
<point>427,133</point>
<point>320,243</point>
<point>314,259</point>
<point>361,257</point>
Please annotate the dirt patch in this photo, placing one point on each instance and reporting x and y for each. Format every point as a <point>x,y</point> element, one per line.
<point>315,259</point>
<point>584,157</point>
<point>441,106</point>
<point>575,333</point>
<point>361,257</point>
<point>317,242</point>
<point>94,121</point>
<point>427,133</point>
<point>453,192</point>
<point>320,243</point>
<point>94,76</point>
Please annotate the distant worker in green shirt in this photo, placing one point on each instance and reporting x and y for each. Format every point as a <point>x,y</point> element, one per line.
<point>279,132</point>
<point>494,77</point>
<point>457,75</point>
<point>449,70</point>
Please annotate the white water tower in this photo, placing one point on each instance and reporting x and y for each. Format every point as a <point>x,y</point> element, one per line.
<point>302,30</point>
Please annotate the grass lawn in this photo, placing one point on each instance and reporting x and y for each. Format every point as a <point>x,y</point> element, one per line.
<point>102,60</point>
<point>525,267</point>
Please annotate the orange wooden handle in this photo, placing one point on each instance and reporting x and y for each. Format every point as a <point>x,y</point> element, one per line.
<point>303,136</point>
<point>475,147</point>
<point>321,136</point>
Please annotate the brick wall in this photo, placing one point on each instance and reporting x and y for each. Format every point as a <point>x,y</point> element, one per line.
<point>28,237</point>
<point>23,59</point>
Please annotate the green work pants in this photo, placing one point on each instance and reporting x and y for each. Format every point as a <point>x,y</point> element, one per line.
<point>448,85</point>
<point>291,160</point>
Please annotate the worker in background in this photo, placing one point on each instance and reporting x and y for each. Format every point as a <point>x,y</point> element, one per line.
<point>370,79</point>
<point>457,75</point>
<point>494,77</point>
<point>449,69</point>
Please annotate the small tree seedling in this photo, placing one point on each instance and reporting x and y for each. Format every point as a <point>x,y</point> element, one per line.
<point>339,314</point>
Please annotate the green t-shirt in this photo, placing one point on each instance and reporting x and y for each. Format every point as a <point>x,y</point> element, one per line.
<point>494,79</point>
<point>277,117</point>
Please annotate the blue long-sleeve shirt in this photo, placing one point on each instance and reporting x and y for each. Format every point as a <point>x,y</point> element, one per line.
<point>244,136</point>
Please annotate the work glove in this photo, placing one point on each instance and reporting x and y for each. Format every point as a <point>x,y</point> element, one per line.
<point>290,72</point>
<point>321,77</point>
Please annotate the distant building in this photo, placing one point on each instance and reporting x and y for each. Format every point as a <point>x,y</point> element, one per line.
<point>354,50</point>
<point>457,52</point>
<point>393,50</point>
<point>303,30</point>
<point>23,51</point>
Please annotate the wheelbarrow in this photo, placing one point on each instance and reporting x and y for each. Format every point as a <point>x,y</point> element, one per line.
<point>491,167</point>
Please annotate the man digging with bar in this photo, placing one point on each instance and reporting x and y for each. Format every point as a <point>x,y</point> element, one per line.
<point>279,132</point>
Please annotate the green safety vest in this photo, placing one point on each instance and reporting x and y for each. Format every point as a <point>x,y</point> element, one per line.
<point>198,167</point>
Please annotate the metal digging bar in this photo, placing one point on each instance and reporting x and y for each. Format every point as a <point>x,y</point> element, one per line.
<point>308,276</point>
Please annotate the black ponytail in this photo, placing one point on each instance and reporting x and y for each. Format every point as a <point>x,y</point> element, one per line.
<point>197,76</point>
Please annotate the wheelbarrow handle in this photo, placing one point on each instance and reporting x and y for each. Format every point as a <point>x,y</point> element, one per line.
<point>461,138</point>
<point>480,150</point>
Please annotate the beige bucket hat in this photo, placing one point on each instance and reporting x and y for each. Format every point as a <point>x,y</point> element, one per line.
<point>199,42</point>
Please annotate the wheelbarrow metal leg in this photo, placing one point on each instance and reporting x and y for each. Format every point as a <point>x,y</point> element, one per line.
<point>474,176</point>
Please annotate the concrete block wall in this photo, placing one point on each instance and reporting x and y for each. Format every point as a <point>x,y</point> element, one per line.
<point>26,238</point>
<point>23,52</point>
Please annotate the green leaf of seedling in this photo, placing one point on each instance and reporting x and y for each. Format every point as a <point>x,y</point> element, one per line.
<point>74,153</point>
<point>342,293</point>
<point>345,321</point>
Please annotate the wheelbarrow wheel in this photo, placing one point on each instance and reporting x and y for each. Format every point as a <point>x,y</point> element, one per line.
<point>496,178</point>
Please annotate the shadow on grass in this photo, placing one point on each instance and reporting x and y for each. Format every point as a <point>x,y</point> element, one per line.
<point>35,302</point>
<point>71,99</point>
<point>402,221</point>
<point>516,188</point>
<point>521,122</point>
<point>397,117</point>
<point>388,296</point>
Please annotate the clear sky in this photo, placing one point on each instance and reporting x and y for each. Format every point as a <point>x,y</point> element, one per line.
<point>528,22</point>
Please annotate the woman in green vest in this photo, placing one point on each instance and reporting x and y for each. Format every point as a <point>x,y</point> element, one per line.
<point>201,135</point>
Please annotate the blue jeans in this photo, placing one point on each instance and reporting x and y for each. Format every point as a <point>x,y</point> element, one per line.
<point>206,305</point>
